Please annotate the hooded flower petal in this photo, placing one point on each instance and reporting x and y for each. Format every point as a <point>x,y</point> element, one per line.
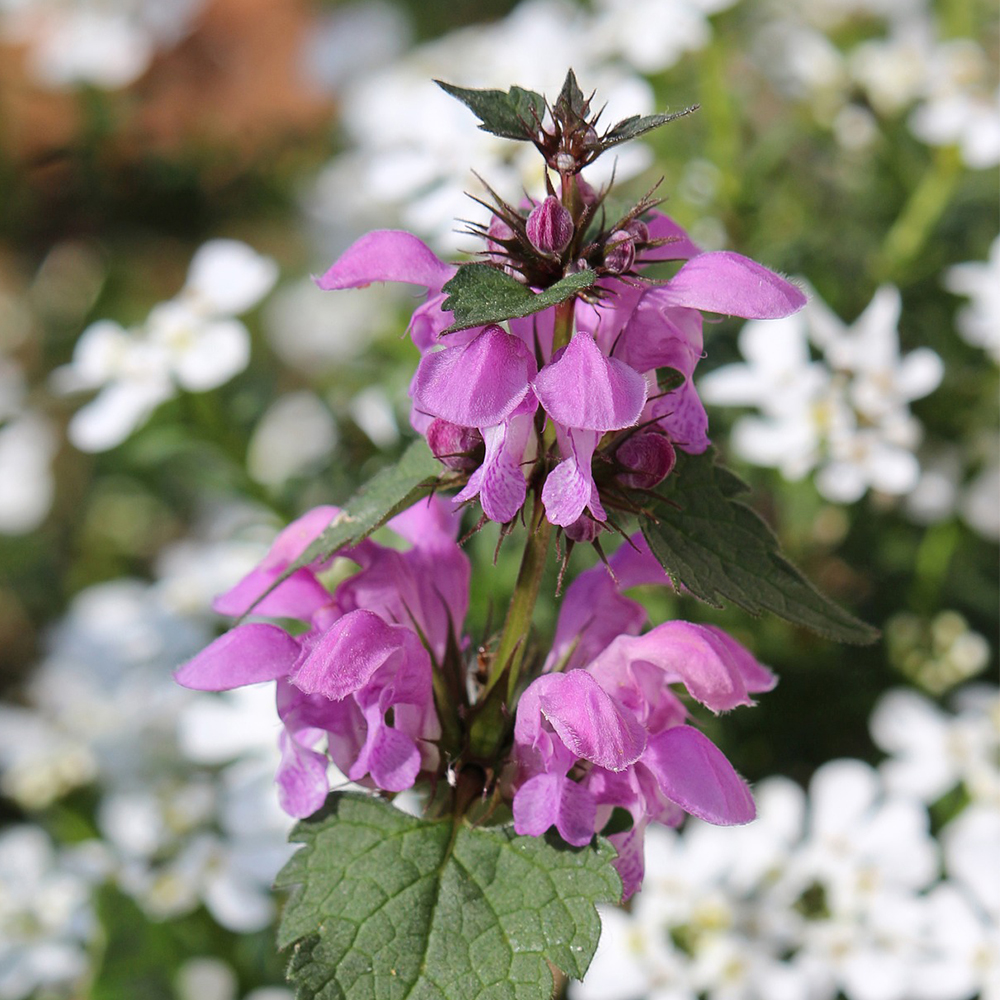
<point>247,654</point>
<point>732,284</point>
<point>584,389</point>
<point>476,385</point>
<point>590,722</point>
<point>345,657</point>
<point>387,255</point>
<point>714,668</point>
<point>693,772</point>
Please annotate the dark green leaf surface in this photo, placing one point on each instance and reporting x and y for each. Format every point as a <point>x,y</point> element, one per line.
<point>388,907</point>
<point>719,549</point>
<point>481,294</point>
<point>630,128</point>
<point>510,115</point>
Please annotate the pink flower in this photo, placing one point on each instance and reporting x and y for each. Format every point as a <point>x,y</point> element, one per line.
<point>610,732</point>
<point>488,379</point>
<point>362,660</point>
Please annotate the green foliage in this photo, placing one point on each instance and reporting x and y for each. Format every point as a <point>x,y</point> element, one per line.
<point>393,489</point>
<point>636,125</point>
<point>719,549</point>
<point>481,294</point>
<point>387,906</point>
<point>511,115</point>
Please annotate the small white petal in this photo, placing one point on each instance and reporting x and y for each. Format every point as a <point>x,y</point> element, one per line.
<point>228,277</point>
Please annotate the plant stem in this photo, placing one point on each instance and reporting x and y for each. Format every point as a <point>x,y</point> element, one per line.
<point>913,227</point>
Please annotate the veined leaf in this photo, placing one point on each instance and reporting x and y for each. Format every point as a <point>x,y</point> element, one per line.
<point>481,294</point>
<point>387,906</point>
<point>510,115</point>
<point>719,549</point>
<point>631,128</point>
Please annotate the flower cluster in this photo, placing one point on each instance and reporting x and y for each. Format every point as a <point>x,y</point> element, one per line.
<point>192,341</point>
<point>848,415</point>
<point>600,729</point>
<point>358,681</point>
<point>608,732</point>
<point>491,389</point>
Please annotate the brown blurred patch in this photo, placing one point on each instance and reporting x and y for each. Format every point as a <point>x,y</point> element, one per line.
<point>232,86</point>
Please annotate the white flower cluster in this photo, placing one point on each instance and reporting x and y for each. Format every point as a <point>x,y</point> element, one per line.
<point>847,415</point>
<point>46,917</point>
<point>192,342</point>
<point>838,891</point>
<point>947,84</point>
<point>104,43</point>
<point>186,806</point>
<point>415,163</point>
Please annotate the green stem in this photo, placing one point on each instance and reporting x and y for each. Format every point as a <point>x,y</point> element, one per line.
<point>913,227</point>
<point>510,651</point>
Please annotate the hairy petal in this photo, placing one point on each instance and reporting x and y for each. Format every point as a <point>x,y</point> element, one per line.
<point>476,385</point>
<point>590,722</point>
<point>553,799</point>
<point>693,772</point>
<point>584,389</point>
<point>346,656</point>
<point>387,255</point>
<point>247,654</point>
<point>717,673</point>
<point>726,282</point>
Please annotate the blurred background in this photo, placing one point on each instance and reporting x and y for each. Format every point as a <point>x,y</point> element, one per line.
<point>173,389</point>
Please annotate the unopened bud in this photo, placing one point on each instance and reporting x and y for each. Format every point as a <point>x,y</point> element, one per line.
<point>459,448</point>
<point>550,226</point>
<point>584,529</point>
<point>638,230</point>
<point>565,163</point>
<point>647,459</point>
<point>619,252</point>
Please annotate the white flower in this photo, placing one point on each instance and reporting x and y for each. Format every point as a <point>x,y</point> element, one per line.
<point>193,341</point>
<point>960,106</point>
<point>847,416</point>
<point>27,447</point>
<point>46,919</point>
<point>933,751</point>
<point>979,321</point>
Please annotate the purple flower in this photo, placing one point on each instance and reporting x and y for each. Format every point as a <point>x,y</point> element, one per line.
<point>355,687</point>
<point>610,732</point>
<point>488,379</point>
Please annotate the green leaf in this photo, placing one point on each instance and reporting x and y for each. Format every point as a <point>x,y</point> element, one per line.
<point>481,294</point>
<point>389,491</point>
<point>630,128</point>
<point>387,906</point>
<point>510,115</point>
<point>417,474</point>
<point>571,101</point>
<point>720,549</point>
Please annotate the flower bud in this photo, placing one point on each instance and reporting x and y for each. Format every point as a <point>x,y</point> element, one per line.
<point>638,230</point>
<point>619,252</point>
<point>647,459</point>
<point>550,226</point>
<point>459,448</point>
<point>583,529</point>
